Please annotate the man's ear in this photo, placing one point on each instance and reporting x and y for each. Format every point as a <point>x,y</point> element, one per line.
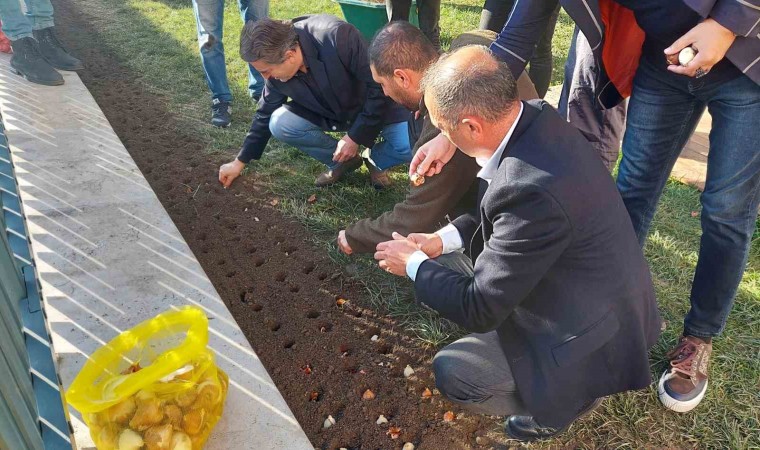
<point>472,126</point>
<point>401,78</point>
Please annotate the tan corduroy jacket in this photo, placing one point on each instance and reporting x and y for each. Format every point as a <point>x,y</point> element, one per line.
<point>450,193</point>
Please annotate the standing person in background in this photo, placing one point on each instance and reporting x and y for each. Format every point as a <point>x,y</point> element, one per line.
<point>209,18</point>
<point>37,52</point>
<point>665,107</point>
<point>494,17</point>
<point>429,13</point>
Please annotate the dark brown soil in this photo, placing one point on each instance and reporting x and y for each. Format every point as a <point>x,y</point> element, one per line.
<point>279,287</point>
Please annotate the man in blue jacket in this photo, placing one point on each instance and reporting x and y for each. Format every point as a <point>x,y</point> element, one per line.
<point>560,302</point>
<point>318,80</point>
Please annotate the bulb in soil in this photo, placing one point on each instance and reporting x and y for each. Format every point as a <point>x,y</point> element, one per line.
<point>408,371</point>
<point>408,446</point>
<point>330,421</point>
<point>368,395</point>
<point>448,416</point>
<point>427,393</point>
<point>381,420</point>
<point>686,55</point>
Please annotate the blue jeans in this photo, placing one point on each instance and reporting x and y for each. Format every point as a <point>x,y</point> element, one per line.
<point>663,112</point>
<point>209,19</point>
<point>292,129</point>
<point>17,25</point>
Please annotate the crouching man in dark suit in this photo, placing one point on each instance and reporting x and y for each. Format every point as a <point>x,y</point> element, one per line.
<point>560,301</point>
<point>318,80</point>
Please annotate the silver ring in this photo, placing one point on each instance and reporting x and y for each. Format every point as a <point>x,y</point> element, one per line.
<point>700,73</point>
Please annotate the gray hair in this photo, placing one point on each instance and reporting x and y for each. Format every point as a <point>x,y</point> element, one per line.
<point>485,88</point>
<point>401,45</point>
<point>267,40</point>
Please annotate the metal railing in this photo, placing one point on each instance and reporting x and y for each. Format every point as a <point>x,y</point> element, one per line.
<point>32,412</point>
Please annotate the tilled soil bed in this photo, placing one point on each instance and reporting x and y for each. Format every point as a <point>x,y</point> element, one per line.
<point>282,290</point>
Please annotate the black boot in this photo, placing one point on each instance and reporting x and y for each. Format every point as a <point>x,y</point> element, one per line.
<point>53,52</point>
<point>29,63</point>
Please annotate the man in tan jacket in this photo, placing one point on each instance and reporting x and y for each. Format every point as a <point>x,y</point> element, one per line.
<point>399,56</point>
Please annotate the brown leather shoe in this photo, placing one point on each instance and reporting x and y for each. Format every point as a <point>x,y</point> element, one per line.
<point>378,178</point>
<point>332,176</point>
<point>684,384</point>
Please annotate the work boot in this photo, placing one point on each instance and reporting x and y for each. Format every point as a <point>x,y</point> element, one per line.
<point>221,113</point>
<point>53,52</point>
<point>334,175</point>
<point>378,178</point>
<point>684,384</point>
<point>29,63</point>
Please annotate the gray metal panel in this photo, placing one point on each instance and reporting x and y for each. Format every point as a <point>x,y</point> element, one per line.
<point>32,412</point>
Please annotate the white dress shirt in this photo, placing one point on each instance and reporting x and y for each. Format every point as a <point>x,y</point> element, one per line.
<point>452,241</point>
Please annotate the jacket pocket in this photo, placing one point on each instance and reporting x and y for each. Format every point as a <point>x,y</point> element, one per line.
<point>589,340</point>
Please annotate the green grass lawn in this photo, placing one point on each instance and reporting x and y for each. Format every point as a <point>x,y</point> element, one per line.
<point>156,40</point>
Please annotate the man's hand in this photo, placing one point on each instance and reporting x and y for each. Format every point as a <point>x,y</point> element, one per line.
<point>228,172</point>
<point>431,157</point>
<point>710,39</point>
<point>393,255</point>
<point>429,243</point>
<point>345,150</point>
<point>343,243</point>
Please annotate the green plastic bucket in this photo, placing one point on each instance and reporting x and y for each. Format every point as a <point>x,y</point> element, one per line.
<point>369,17</point>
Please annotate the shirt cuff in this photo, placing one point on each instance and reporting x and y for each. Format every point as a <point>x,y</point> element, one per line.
<point>414,262</point>
<point>452,240</point>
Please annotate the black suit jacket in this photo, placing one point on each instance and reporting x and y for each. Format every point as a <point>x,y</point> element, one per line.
<point>559,273</point>
<point>336,55</point>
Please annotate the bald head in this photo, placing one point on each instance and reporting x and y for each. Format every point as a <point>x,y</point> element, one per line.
<point>469,81</point>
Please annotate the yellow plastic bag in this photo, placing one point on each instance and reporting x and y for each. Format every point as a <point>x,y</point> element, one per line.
<point>154,387</point>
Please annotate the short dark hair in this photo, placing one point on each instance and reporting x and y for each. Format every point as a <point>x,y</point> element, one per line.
<point>267,40</point>
<point>485,88</point>
<point>400,45</point>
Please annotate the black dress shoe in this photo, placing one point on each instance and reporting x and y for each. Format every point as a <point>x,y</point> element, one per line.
<point>527,428</point>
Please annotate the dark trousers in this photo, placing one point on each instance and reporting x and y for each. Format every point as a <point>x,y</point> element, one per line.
<point>603,128</point>
<point>473,372</point>
<point>428,12</point>
<point>494,17</point>
<point>663,112</point>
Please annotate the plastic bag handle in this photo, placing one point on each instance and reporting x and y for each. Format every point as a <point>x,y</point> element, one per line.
<point>88,396</point>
